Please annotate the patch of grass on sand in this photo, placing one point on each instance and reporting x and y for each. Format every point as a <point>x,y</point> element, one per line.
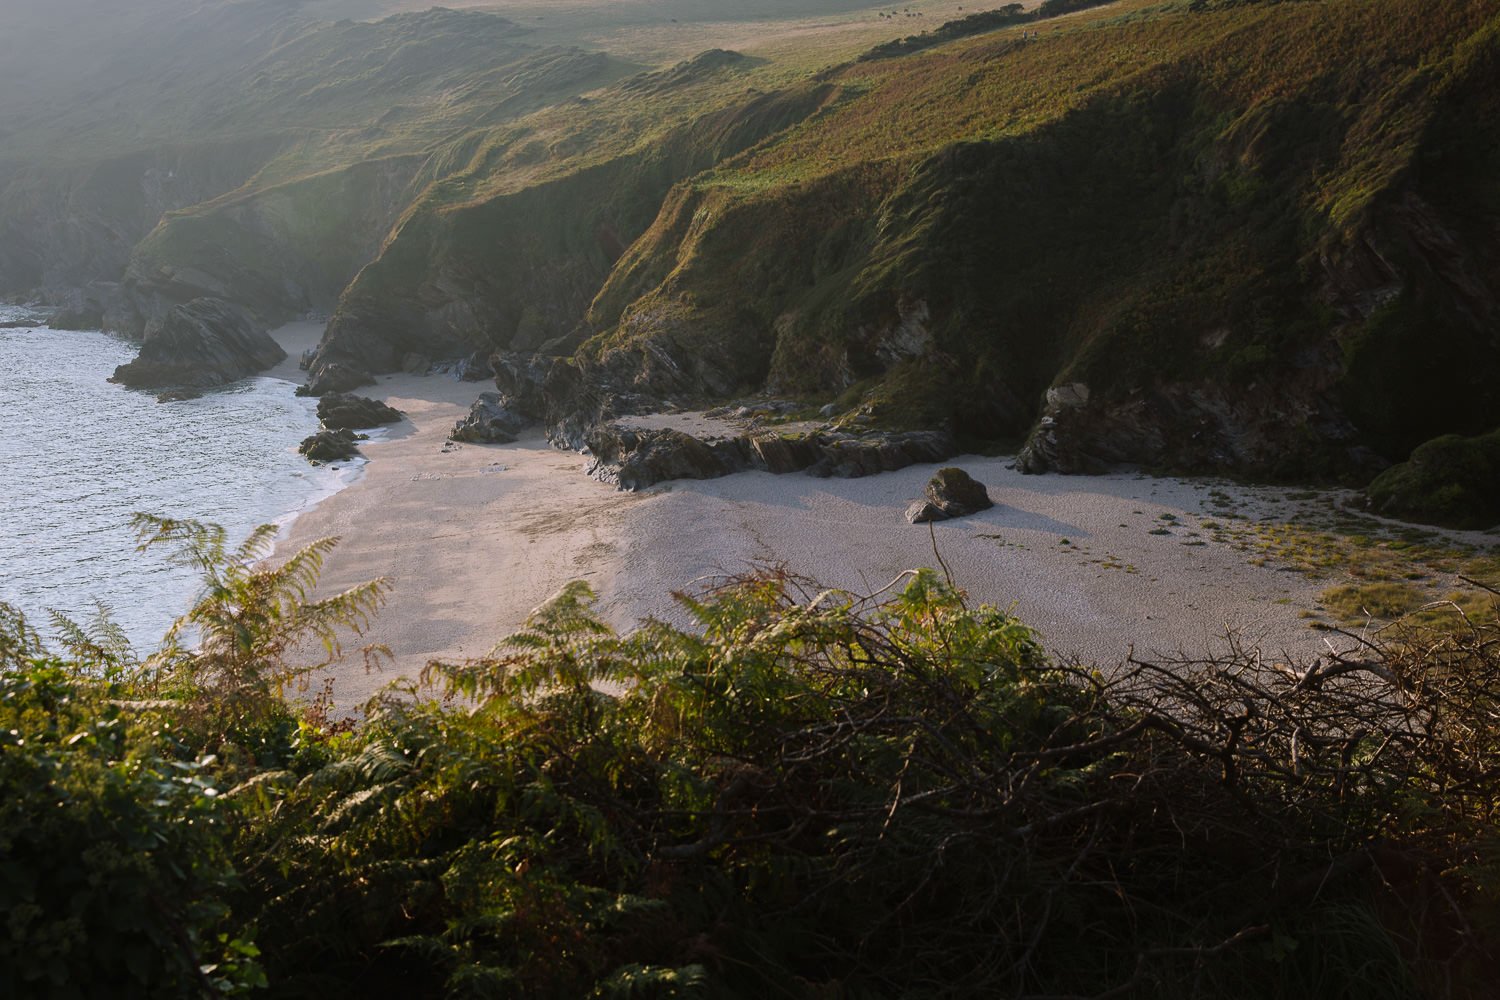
<point>1374,570</point>
<point>1355,602</point>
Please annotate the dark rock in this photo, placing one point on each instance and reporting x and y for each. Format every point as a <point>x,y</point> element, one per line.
<point>922,511</point>
<point>1289,427</point>
<point>522,380</point>
<point>331,446</point>
<point>490,421</point>
<point>203,343</point>
<point>634,459</point>
<point>335,376</point>
<point>583,401</point>
<point>416,364</point>
<point>84,317</point>
<point>780,454</point>
<point>951,492</point>
<point>475,368</point>
<point>177,395</point>
<point>338,411</point>
<point>851,456</point>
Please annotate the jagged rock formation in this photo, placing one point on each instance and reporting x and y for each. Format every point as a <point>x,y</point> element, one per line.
<point>340,411</point>
<point>633,458</point>
<point>202,343</point>
<point>335,378</point>
<point>331,446</point>
<point>950,493</point>
<point>490,421</point>
<point>587,406</point>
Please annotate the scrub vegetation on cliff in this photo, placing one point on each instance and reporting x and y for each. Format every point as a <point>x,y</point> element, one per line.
<point>1255,238</point>
<point>809,793</point>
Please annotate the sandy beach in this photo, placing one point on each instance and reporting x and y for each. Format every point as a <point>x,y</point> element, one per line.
<point>473,537</point>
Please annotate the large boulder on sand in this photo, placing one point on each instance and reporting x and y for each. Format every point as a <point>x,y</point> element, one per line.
<point>202,343</point>
<point>951,492</point>
<point>331,446</point>
<point>339,411</point>
<point>490,421</point>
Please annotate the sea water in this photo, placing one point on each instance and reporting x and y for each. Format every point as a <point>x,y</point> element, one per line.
<point>79,456</point>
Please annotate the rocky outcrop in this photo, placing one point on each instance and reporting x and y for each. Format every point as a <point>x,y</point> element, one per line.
<point>490,421</point>
<point>1290,426</point>
<point>82,317</point>
<point>202,343</point>
<point>586,405</point>
<point>331,446</point>
<point>335,377</point>
<point>1452,481</point>
<point>339,411</point>
<point>950,493</point>
<point>634,458</point>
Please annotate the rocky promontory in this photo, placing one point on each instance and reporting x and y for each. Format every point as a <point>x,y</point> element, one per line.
<point>200,344</point>
<point>637,435</point>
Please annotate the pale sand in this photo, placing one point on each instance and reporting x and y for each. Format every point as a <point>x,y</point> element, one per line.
<point>473,537</point>
<point>295,338</point>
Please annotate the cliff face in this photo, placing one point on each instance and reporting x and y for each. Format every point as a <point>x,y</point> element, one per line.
<point>1240,255</point>
<point>1267,246</point>
<point>65,226</point>
<point>518,269</point>
<point>279,252</point>
<point>248,152</point>
<point>1259,238</point>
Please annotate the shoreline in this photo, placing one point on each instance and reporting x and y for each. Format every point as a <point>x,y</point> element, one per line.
<point>474,537</point>
<point>295,338</point>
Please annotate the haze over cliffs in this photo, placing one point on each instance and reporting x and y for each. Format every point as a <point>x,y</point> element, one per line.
<point>1259,238</point>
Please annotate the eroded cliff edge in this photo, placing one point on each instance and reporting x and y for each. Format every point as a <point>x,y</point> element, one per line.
<point>1247,238</point>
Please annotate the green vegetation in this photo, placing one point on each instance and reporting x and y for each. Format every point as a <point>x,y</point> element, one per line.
<point>806,794</point>
<point>975,24</point>
<point>1451,480</point>
<point>1133,202</point>
<point>1374,571</point>
<point>1385,600</point>
<point>1261,234</point>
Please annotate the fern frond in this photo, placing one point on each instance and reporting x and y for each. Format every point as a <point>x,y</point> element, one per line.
<point>18,640</point>
<point>100,645</point>
<point>195,544</point>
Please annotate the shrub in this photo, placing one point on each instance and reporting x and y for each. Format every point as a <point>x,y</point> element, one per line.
<point>1450,480</point>
<point>113,867</point>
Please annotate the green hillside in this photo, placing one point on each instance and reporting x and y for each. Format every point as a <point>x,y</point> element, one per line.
<point>1257,238</point>
<point>1261,237</point>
